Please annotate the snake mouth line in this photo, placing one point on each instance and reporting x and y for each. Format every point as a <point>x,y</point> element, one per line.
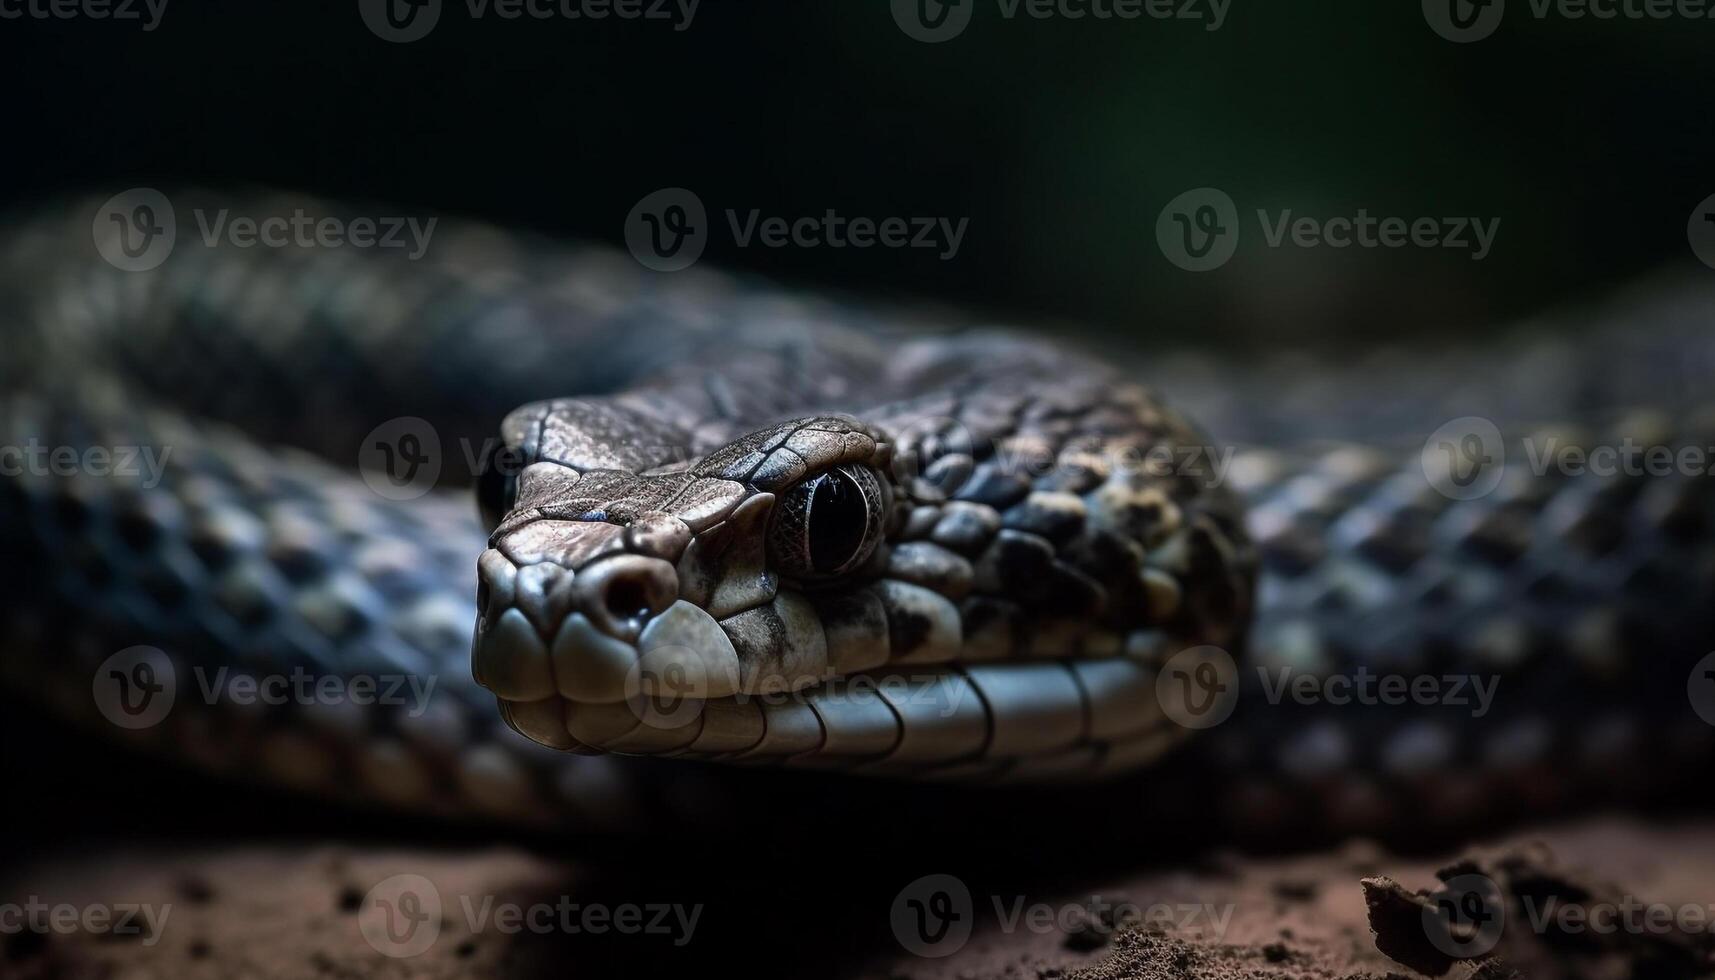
<point>673,683</point>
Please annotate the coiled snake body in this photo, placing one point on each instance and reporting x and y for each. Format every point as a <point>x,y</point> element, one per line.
<point>777,532</point>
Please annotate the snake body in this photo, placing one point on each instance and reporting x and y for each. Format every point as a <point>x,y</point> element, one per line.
<point>773,531</point>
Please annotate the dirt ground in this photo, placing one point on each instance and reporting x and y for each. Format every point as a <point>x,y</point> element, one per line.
<point>321,910</point>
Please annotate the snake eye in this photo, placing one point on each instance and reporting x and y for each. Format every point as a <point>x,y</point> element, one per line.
<point>826,525</point>
<point>497,484</point>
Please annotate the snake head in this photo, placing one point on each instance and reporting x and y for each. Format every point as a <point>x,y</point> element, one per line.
<point>627,587</point>
<point>820,592</point>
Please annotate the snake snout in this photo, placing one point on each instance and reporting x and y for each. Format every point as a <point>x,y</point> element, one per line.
<point>545,630</point>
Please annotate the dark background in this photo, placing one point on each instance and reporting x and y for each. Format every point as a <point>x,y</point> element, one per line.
<point>1060,140</point>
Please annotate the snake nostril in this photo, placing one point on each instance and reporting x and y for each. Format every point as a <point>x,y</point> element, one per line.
<point>620,593</point>
<point>627,598</point>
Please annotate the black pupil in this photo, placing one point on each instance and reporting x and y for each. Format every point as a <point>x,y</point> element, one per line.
<point>838,518</point>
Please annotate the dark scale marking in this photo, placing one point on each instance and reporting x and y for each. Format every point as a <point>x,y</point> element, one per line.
<point>906,630</point>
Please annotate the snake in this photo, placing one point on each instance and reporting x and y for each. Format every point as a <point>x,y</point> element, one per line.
<point>730,535</point>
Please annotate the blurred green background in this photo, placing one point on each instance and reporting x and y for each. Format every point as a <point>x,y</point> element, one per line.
<point>1060,139</point>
